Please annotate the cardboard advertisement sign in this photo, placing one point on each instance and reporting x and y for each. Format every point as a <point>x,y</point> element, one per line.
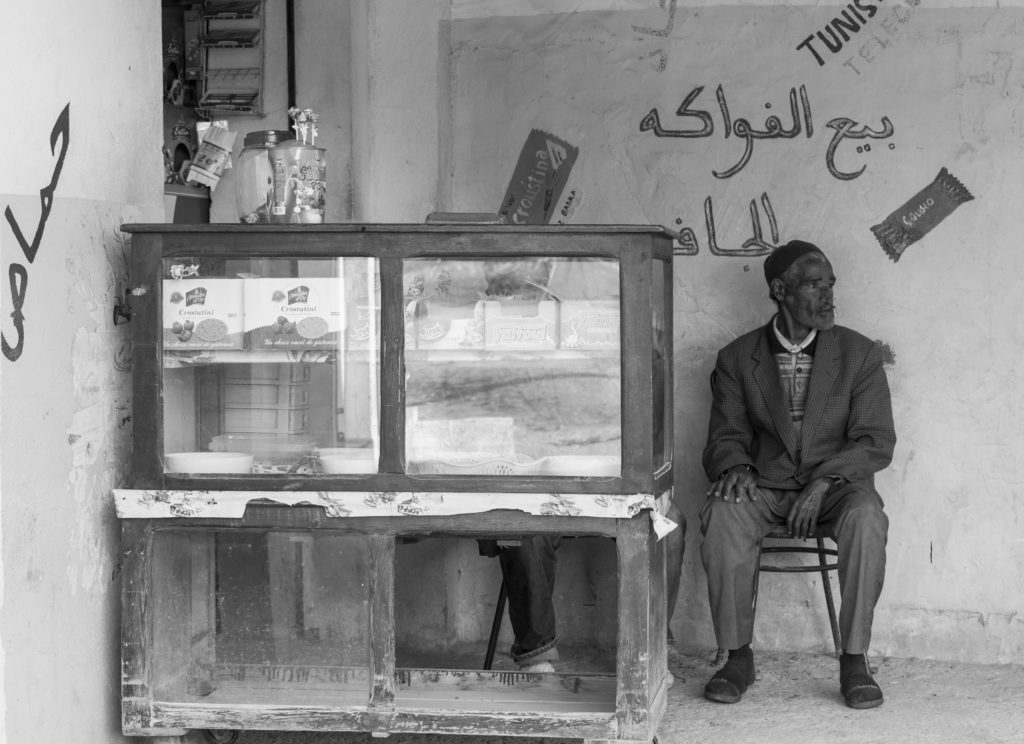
<point>537,183</point>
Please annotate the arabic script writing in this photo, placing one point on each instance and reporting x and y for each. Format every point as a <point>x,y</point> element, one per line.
<point>16,272</point>
<point>755,245</point>
<point>802,122</point>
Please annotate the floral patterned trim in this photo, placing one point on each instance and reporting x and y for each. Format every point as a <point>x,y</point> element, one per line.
<point>161,504</point>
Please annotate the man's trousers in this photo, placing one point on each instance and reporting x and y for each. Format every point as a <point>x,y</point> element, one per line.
<point>851,514</point>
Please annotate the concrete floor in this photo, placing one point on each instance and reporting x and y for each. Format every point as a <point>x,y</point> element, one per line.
<point>796,701</point>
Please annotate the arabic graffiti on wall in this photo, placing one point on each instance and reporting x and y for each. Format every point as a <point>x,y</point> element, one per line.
<point>802,121</point>
<point>660,34</point>
<point>16,272</point>
<point>686,243</point>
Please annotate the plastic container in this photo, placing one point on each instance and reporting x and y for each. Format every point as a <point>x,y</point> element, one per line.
<point>270,452</point>
<point>591,466</point>
<point>338,460</point>
<point>254,176</point>
<point>207,462</point>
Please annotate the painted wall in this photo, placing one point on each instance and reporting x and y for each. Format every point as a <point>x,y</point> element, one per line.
<point>82,121</point>
<point>737,128</point>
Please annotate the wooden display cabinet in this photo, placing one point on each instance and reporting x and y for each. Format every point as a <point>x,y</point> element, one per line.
<point>309,400</point>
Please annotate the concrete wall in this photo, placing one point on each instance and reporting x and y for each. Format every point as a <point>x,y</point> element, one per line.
<point>82,125</point>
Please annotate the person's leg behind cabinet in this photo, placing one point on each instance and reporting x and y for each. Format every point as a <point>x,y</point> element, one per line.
<point>528,570</point>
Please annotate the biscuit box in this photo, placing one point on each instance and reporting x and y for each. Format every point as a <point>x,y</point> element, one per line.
<point>294,313</point>
<point>363,325</point>
<point>589,324</point>
<point>520,325</point>
<point>202,314</point>
<point>432,325</point>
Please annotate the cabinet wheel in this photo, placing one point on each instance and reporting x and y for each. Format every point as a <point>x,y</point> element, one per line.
<point>220,736</point>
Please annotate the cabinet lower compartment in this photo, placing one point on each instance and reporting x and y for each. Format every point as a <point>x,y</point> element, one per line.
<point>256,628</point>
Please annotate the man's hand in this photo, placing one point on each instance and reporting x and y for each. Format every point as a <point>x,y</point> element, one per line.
<point>803,515</point>
<point>735,484</point>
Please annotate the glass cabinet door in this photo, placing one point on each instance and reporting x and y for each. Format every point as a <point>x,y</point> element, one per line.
<point>250,616</point>
<point>513,366</point>
<point>271,366</point>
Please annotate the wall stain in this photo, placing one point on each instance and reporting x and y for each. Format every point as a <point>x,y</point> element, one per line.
<point>888,355</point>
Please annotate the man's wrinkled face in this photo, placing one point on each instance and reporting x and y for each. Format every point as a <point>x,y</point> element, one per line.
<point>808,295</point>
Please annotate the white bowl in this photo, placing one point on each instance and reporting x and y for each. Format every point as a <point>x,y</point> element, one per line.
<point>341,460</point>
<point>590,466</point>
<point>207,462</point>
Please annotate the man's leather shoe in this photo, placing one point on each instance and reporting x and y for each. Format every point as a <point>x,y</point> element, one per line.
<point>732,680</point>
<point>858,687</point>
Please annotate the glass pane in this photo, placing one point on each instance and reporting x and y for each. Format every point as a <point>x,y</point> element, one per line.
<point>446,623</point>
<point>660,376</point>
<point>259,616</point>
<point>271,365</point>
<point>513,367</point>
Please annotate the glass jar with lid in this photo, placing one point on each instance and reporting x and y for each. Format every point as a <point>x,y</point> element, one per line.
<point>300,178</point>
<point>254,176</point>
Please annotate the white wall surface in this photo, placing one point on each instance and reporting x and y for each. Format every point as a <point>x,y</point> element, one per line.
<point>65,398</point>
<point>949,81</point>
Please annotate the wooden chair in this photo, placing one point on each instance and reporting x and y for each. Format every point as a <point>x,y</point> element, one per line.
<point>823,566</point>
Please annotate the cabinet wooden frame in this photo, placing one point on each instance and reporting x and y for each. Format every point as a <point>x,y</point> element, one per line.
<point>637,249</point>
<point>625,707</point>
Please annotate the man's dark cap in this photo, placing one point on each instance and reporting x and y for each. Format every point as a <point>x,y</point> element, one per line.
<point>784,256</point>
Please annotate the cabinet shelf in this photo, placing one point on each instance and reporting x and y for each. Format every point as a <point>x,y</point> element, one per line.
<point>239,76</point>
<point>231,9</point>
<point>237,104</point>
<point>231,39</point>
<point>471,355</point>
<point>180,359</point>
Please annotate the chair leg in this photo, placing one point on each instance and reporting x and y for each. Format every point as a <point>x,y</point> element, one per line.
<point>499,614</point>
<point>826,583</point>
